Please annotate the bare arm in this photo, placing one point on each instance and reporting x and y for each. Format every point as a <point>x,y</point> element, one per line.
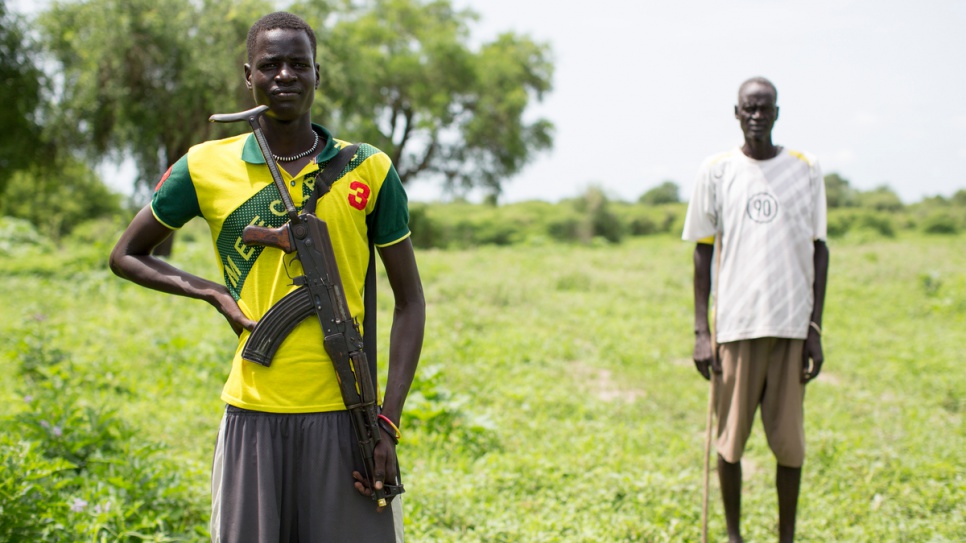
<point>813,342</point>
<point>131,259</point>
<point>408,323</point>
<point>703,355</point>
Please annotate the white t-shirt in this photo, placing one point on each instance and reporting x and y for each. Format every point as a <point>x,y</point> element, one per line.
<point>768,214</point>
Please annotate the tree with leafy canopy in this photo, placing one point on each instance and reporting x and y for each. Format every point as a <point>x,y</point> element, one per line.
<point>140,77</point>
<point>59,195</point>
<point>20,94</point>
<point>665,193</point>
<point>881,198</point>
<point>838,192</point>
<point>401,75</point>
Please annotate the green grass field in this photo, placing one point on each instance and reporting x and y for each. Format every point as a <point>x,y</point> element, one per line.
<point>555,400</point>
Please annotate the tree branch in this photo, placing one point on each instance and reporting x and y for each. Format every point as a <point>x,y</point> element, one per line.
<point>394,119</point>
<point>424,164</point>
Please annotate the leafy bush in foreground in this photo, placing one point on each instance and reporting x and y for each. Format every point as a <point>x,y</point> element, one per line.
<point>73,469</point>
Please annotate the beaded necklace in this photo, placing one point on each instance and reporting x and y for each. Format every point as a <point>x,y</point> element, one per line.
<point>300,155</point>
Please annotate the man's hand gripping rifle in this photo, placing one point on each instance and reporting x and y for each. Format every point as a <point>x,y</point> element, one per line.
<point>320,292</point>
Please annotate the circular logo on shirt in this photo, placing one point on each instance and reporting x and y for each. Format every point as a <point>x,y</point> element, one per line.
<point>762,207</point>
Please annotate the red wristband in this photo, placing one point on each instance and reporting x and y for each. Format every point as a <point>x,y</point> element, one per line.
<point>395,428</point>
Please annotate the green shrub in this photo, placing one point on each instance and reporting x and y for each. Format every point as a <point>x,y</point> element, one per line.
<point>881,198</point>
<point>440,415</point>
<point>642,226</point>
<point>79,472</point>
<point>645,220</point>
<point>58,197</point>
<point>665,193</point>
<point>940,223</point>
<point>598,220</point>
<point>19,238</point>
<point>566,229</point>
<point>490,230</point>
<point>461,225</point>
<point>880,223</point>
<point>102,233</point>
<point>28,482</point>
<point>838,192</point>
<point>839,223</point>
<point>606,225</point>
<point>842,222</point>
<point>426,233</point>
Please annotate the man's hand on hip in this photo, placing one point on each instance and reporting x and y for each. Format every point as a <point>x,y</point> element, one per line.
<point>228,307</point>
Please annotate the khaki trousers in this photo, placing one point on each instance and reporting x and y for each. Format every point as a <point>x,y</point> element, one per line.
<point>766,372</point>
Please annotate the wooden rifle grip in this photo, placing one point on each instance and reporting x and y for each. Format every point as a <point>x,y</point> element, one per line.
<point>269,237</point>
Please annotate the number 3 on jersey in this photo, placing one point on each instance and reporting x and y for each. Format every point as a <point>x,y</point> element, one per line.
<point>360,197</point>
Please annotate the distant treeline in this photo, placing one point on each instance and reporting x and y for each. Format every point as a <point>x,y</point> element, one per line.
<point>595,218</point>
<point>592,217</point>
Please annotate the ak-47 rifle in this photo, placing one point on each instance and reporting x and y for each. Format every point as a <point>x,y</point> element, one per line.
<point>320,293</point>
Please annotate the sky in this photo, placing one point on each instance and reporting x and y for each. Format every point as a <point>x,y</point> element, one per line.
<point>645,90</point>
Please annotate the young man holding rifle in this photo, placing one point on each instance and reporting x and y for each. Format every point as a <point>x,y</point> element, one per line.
<point>287,458</point>
<point>759,219</point>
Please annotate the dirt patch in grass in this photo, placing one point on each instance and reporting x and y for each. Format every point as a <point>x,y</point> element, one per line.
<point>600,383</point>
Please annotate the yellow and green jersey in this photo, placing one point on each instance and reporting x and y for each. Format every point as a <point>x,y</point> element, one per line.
<point>227,183</point>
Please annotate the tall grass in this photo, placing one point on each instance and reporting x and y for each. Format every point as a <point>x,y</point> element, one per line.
<point>555,399</point>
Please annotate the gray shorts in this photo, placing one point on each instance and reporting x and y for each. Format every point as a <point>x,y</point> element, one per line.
<point>287,478</point>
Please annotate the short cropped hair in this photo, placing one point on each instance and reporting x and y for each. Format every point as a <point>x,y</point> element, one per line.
<point>278,19</point>
<point>758,81</point>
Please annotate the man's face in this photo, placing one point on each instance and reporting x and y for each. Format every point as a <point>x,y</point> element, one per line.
<point>283,74</point>
<point>756,111</point>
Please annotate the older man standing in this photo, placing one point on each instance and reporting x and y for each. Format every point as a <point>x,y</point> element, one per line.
<point>758,216</point>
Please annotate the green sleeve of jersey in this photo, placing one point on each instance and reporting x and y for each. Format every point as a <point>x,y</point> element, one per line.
<point>391,214</point>
<point>175,201</point>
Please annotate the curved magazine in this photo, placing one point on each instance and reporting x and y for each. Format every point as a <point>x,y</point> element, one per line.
<point>275,326</point>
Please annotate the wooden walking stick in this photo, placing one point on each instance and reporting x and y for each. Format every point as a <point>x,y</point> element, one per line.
<point>707,459</point>
<point>712,394</point>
